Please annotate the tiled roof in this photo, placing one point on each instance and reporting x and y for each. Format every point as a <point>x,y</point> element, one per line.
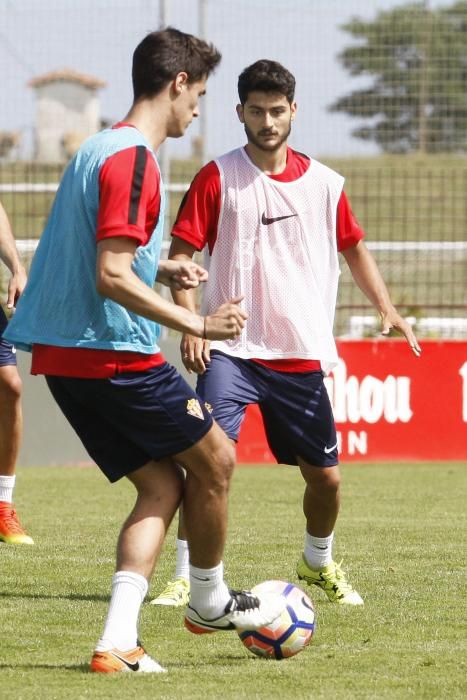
<point>67,75</point>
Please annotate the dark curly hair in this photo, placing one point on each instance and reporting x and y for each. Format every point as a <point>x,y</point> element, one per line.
<point>266,76</point>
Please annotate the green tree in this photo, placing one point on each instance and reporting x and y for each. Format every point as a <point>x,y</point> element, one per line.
<point>415,59</point>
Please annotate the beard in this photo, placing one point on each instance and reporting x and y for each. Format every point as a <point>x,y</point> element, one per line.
<point>252,138</point>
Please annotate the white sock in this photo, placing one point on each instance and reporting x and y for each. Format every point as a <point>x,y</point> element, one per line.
<point>7,484</point>
<point>182,569</point>
<point>318,550</point>
<point>121,626</point>
<point>208,591</point>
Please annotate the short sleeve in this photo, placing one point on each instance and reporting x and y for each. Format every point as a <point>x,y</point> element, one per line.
<point>129,195</point>
<point>349,232</point>
<point>198,215</point>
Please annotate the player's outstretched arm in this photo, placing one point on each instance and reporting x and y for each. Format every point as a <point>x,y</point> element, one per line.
<point>9,255</point>
<point>194,351</point>
<point>368,277</point>
<point>116,280</point>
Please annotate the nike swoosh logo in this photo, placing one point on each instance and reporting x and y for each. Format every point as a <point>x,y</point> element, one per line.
<point>266,221</point>
<point>306,603</point>
<point>132,666</point>
<point>201,578</point>
<point>327,450</point>
<point>215,628</point>
<point>318,547</point>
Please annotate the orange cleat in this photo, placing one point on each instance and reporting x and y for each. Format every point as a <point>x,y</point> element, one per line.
<point>11,531</point>
<point>115,661</point>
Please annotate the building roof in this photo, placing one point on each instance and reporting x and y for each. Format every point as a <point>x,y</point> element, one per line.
<point>67,75</point>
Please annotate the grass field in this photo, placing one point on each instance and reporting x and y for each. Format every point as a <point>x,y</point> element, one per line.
<point>400,533</point>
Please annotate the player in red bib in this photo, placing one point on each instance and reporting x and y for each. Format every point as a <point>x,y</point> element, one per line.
<point>271,222</point>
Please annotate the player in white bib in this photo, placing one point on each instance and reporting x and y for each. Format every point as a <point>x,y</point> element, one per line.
<point>271,222</point>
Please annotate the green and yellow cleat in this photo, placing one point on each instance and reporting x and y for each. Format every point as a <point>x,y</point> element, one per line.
<point>11,531</point>
<point>332,580</point>
<point>176,594</point>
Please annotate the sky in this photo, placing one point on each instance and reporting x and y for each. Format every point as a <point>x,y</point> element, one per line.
<point>98,37</point>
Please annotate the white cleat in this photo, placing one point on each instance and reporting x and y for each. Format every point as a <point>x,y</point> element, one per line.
<point>243,611</point>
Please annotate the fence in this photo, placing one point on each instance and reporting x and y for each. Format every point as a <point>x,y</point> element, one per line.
<point>423,259</point>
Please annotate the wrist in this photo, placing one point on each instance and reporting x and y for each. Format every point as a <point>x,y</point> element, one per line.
<point>198,329</point>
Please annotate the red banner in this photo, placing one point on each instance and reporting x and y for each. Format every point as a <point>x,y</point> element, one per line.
<point>388,404</point>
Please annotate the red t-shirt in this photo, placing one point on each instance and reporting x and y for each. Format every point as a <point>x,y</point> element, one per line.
<point>129,205</point>
<point>198,219</point>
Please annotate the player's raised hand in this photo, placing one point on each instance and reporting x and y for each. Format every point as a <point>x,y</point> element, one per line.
<point>195,353</point>
<point>226,323</point>
<point>181,274</point>
<point>392,320</point>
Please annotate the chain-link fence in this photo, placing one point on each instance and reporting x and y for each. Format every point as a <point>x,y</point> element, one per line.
<point>382,97</point>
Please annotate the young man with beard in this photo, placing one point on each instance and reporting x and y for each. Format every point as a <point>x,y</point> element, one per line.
<point>271,221</point>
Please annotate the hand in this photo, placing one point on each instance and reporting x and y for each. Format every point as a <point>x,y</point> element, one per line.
<point>226,323</point>
<point>392,320</point>
<point>195,353</point>
<point>181,274</point>
<point>16,286</point>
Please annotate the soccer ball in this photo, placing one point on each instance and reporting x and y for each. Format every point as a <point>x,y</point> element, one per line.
<point>291,632</point>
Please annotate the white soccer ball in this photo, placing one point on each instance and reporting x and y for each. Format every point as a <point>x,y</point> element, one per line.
<point>291,632</point>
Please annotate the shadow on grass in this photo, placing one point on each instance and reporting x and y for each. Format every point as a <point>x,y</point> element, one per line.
<point>84,668</point>
<point>200,664</point>
<point>59,596</point>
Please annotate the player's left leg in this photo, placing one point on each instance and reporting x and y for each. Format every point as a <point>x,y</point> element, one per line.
<point>11,424</point>
<point>321,502</point>
<point>300,429</point>
<point>225,387</point>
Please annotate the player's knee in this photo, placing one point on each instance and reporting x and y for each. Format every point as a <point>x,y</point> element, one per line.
<point>10,386</point>
<point>331,479</point>
<point>221,464</point>
<point>323,479</point>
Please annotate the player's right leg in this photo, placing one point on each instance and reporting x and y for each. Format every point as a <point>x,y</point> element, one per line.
<point>176,594</point>
<point>92,408</point>
<point>11,424</point>
<point>159,490</point>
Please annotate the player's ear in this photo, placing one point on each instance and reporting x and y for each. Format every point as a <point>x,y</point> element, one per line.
<point>239,109</point>
<point>293,110</point>
<point>180,81</point>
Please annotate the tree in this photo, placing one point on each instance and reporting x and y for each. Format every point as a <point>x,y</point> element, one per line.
<point>416,59</point>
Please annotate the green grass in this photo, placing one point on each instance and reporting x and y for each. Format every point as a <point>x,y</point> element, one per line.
<point>400,532</point>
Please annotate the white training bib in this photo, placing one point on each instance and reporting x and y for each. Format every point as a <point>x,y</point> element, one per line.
<point>276,245</point>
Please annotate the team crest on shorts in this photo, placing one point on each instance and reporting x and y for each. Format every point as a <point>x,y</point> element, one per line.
<point>194,409</point>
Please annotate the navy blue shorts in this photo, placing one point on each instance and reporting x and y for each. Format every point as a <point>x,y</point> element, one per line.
<point>7,351</point>
<point>132,418</point>
<point>295,406</point>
